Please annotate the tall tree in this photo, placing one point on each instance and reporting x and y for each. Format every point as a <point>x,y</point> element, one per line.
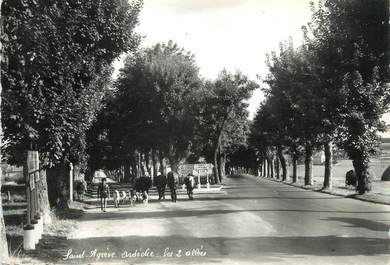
<point>58,56</point>
<point>223,115</point>
<point>3,238</point>
<point>153,92</point>
<point>351,44</point>
<point>293,102</point>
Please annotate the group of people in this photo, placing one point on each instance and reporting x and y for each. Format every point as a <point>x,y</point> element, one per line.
<point>172,181</point>
<point>144,183</point>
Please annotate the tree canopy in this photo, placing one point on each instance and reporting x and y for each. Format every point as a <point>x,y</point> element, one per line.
<point>58,56</point>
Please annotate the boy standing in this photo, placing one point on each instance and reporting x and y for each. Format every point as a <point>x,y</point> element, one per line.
<point>103,194</point>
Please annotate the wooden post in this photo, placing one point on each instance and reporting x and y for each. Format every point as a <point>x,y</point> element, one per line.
<point>37,214</point>
<point>70,182</point>
<point>28,196</point>
<point>30,186</point>
<point>199,186</point>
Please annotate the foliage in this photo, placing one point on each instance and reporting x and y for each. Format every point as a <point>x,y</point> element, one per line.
<point>357,32</point>
<point>222,116</point>
<point>149,107</point>
<point>58,56</point>
<point>290,117</point>
<point>334,85</point>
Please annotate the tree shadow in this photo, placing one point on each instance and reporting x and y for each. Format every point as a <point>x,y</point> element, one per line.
<point>199,213</point>
<point>222,198</point>
<point>361,223</point>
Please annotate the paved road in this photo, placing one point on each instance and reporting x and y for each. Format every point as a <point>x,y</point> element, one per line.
<point>255,221</point>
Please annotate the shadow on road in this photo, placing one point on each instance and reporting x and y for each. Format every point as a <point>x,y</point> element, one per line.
<point>361,223</point>
<point>199,213</point>
<point>265,198</point>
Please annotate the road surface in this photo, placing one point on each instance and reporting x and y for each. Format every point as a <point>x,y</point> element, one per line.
<point>254,221</point>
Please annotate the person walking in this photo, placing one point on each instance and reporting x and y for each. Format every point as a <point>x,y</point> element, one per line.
<point>146,184</point>
<point>173,181</point>
<point>161,183</point>
<point>103,194</point>
<point>190,185</point>
<point>138,188</point>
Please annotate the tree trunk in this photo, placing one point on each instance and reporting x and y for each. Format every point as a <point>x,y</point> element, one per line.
<point>295,168</point>
<point>272,165</point>
<point>283,163</point>
<point>361,166</point>
<point>217,146</point>
<point>142,158</point>
<point>215,160</point>
<point>328,149</point>
<point>277,168</point>
<point>260,169</point>
<point>43,198</point>
<point>308,165</point>
<point>127,177</point>
<point>224,164</point>
<point>265,165</point>
<point>221,166</point>
<point>148,163</point>
<point>58,191</point>
<point>163,165</point>
<point>154,162</point>
<point>268,168</point>
<point>3,238</point>
<point>139,164</point>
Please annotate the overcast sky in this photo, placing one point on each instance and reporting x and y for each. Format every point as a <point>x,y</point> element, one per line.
<point>231,34</point>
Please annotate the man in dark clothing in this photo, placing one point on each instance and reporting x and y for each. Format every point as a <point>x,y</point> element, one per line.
<point>138,188</point>
<point>145,185</point>
<point>173,181</point>
<point>161,182</point>
<point>190,185</point>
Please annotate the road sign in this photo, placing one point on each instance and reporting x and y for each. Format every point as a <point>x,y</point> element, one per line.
<point>203,166</point>
<point>203,172</point>
<point>196,169</point>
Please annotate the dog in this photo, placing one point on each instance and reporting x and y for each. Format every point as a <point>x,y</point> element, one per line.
<point>133,197</point>
<point>121,197</point>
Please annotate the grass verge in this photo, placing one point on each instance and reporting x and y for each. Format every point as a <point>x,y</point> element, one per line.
<point>63,222</point>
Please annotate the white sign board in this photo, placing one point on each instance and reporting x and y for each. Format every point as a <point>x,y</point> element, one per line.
<point>196,169</point>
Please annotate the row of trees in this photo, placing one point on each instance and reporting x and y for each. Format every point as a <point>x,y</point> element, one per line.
<point>331,90</point>
<point>55,70</point>
<point>162,112</point>
<point>59,99</point>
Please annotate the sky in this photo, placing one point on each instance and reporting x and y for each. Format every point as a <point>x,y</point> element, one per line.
<point>230,34</point>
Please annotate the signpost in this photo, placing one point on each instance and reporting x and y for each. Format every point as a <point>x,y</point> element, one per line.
<point>198,170</point>
<point>71,182</point>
